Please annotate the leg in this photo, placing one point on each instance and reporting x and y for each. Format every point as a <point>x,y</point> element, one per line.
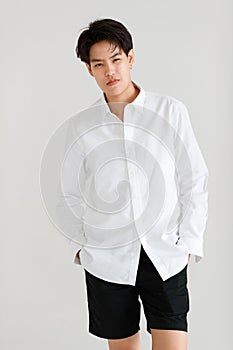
<point>166,304</point>
<point>163,339</point>
<point>114,312</point>
<point>130,343</point>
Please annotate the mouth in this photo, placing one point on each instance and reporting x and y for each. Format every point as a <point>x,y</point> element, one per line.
<point>113,82</point>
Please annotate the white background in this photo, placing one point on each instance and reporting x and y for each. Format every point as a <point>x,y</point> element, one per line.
<point>184,49</point>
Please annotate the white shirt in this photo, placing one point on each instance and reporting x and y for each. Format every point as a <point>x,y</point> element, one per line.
<point>142,180</point>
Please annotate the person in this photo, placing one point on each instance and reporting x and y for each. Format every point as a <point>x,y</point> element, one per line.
<point>147,139</point>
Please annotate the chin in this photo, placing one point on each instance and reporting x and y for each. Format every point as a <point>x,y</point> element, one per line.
<point>117,90</point>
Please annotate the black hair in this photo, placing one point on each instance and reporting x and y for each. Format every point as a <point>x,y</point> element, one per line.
<point>103,29</point>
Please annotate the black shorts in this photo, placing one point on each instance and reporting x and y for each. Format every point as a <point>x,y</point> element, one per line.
<point>114,309</point>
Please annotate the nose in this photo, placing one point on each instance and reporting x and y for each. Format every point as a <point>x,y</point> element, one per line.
<point>109,70</point>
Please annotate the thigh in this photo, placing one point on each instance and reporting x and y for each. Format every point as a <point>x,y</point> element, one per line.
<point>114,309</point>
<point>165,303</point>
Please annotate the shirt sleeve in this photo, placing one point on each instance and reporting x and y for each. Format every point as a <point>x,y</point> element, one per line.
<point>192,175</point>
<point>70,206</point>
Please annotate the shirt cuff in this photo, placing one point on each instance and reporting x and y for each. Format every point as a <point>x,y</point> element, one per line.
<point>75,248</point>
<point>195,247</point>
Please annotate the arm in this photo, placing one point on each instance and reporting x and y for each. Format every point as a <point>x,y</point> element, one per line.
<point>192,176</point>
<point>70,205</point>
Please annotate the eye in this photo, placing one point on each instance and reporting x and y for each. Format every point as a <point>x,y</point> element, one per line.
<point>116,59</point>
<point>98,65</point>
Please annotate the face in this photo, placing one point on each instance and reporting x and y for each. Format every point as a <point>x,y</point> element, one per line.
<point>111,68</point>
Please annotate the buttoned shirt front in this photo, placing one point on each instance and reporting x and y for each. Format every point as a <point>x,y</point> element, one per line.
<point>142,180</point>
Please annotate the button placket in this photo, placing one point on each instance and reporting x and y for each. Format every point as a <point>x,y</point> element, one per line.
<point>130,158</point>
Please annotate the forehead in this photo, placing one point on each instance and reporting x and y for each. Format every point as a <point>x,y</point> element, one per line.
<point>103,50</point>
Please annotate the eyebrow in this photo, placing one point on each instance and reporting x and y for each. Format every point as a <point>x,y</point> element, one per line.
<point>99,59</point>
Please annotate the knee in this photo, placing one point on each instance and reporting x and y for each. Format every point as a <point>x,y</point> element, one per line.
<point>130,343</point>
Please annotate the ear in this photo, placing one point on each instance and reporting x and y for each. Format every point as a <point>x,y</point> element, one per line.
<point>89,69</point>
<point>131,58</point>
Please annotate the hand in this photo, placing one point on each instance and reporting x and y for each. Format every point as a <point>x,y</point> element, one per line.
<point>78,255</point>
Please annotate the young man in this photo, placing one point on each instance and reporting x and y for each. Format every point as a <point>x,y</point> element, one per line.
<point>146,140</point>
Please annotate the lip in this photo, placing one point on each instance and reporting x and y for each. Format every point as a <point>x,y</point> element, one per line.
<point>113,82</point>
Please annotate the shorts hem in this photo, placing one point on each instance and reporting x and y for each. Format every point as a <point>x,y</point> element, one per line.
<point>168,328</point>
<point>111,336</point>
<point>180,324</point>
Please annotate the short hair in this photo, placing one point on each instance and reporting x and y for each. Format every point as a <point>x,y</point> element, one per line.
<point>103,29</point>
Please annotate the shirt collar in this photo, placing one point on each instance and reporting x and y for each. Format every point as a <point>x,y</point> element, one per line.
<point>139,100</point>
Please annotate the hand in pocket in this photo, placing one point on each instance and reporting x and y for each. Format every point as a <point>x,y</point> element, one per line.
<point>78,256</point>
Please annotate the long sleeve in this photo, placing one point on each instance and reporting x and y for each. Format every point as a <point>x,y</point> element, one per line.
<point>192,182</point>
<point>70,206</point>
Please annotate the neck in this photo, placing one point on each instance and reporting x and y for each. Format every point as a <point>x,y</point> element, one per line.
<point>127,96</point>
